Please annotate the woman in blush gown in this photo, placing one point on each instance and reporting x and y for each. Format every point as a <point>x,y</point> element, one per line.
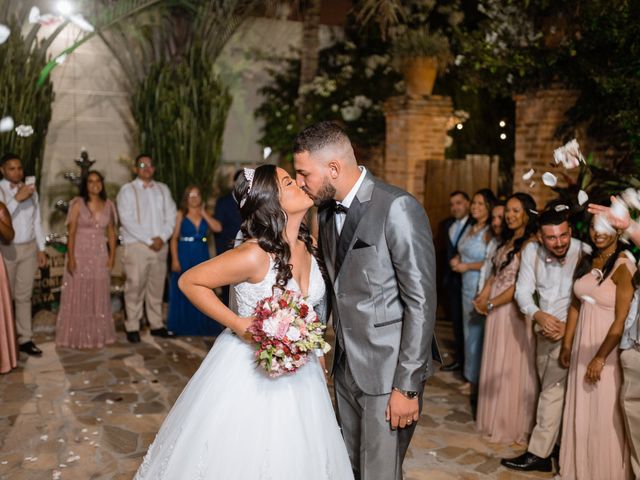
<point>189,248</point>
<point>593,445</point>
<point>8,351</point>
<point>508,387</point>
<point>85,319</point>
<point>232,421</point>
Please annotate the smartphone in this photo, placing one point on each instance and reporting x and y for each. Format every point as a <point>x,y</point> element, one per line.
<point>30,180</point>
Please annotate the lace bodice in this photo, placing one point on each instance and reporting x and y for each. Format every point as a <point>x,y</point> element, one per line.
<point>248,294</point>
<point>506,277</point>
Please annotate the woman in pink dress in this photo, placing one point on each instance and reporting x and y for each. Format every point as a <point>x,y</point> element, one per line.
<point>593,436</point>
<point>508,388</point>
<point>8,352</point>
<point>85,320</point>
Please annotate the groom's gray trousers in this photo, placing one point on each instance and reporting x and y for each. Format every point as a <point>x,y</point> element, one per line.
<point>371,443</point>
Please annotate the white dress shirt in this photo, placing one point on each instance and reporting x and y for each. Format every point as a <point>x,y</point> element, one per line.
<point>542,272</point>
<point>456,229</point>
<point>145,212</point>
<point>348,200</point>
<point>25,215</point>
<point>631,334</point>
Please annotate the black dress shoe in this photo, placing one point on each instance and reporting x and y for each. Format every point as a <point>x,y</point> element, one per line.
<point>452,367</point>
<point>30,349</point>
<point>163,332</point>
<point>528,462</point>
<point>133,337</point>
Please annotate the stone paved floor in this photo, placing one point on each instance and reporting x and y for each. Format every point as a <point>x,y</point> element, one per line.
<point>92,414</point>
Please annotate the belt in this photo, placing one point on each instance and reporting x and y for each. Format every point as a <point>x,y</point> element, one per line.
<point>193,239</point>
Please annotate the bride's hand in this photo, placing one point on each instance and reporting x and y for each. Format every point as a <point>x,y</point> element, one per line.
<point>323,364</point>
<point>241,329</point>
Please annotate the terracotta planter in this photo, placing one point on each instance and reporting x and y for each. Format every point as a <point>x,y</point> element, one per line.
<point>420,75</point>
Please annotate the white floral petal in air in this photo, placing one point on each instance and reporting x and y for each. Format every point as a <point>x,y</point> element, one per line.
<point>559,155</point>
<point>34,15</point>
<point>549,179</point>
<point>81,22</point>
<point>61,58</point>
<point>561,208</point>
<point>266,151</point>
<point>602,225</point>
<point>588,299</point>
<point>4,33</point>
<point>6,124</point>
<point>631,197</point>
<point>582,197</point>
<point>24,130</point>
<point>531,185</point>
<point>629,255</point>
<point>619,210</point>
<point>527,176</point>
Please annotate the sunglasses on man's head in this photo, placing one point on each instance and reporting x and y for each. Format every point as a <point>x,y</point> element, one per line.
<point>144,165</point>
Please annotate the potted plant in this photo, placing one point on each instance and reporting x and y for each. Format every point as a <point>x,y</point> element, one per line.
<point>421,54</point>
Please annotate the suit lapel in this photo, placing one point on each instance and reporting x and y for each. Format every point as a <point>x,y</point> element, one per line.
<point>356,211</point>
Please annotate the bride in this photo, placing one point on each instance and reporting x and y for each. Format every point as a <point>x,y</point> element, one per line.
<point>233,422</point>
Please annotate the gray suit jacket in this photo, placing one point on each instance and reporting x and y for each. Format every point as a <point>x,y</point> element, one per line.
<point>382,270</point>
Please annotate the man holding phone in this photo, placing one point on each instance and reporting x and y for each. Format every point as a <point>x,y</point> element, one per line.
<point>25,253</point>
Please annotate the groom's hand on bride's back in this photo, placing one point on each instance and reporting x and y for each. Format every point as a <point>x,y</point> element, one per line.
<point>401,411</point>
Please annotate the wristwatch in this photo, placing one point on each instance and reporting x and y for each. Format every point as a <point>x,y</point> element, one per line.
<point>409,394</point>
<point>489,306</point>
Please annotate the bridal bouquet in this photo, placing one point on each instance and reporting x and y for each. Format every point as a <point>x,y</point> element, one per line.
<point>286,330</point>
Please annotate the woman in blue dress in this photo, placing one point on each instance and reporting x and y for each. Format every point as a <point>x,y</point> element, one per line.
<point>189,248</point>
<point>472,251</point>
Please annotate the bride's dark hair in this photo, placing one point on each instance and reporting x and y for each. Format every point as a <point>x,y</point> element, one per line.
<point>264,220</point>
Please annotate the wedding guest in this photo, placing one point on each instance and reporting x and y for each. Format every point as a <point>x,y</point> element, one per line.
<point>189,248</point>
<point>85,319</point>
<point>543,293</point>
<point>472,249</point>
<point>497,217</point>
<point>228,214</point>
<point>8,353</point>
<point>25,253</point>
<point>593,434</point>
<point>454,227</point>
<point>508,385</point>
<point>147,218</point>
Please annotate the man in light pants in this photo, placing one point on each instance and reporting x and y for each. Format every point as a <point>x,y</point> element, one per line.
<point>147,217</point>
<point>543,292</point>
<point>25,253</point>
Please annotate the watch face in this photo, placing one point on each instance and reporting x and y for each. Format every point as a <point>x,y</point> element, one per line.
<point>412,394</point>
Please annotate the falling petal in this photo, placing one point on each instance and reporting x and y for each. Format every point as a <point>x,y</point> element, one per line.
<point>44,438</point>
<point>81,22</point>
<point>532,184</point>
<point>582,197</point>
<point>533,211</point>
<point>61,58</point>
<point>24,130</point>
<point>561,208</point>
<point>631,197</point>
<point>527,176</point>
<point>34,15</point>
<point>6,124</point>
<point>549,179</point>
<point>602,225</point>
<point>4,33</point>
<point>588,299</point>
<point>266,151</point>
<point>619,210</point>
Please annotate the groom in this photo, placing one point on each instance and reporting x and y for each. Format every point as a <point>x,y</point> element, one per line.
<point>379,253</point>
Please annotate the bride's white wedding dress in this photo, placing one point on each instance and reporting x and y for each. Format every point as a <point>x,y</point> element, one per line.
<point>233,422</point>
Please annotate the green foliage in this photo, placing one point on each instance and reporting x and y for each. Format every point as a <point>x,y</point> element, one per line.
<point>422,43</point>
<point>22,57</point>
<point>354,79</point>
<point>181,112</point>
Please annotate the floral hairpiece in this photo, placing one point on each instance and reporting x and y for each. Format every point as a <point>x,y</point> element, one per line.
<point>248,175</point>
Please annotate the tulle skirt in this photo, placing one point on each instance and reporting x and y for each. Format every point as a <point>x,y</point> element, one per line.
<point>233,422</point>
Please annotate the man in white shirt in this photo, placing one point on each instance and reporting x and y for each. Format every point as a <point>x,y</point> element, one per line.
<point>25,253</point>
<point>543,292</point>
<point>147,217</point>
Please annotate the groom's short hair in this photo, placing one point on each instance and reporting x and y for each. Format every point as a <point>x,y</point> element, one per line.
<point>320,135</point>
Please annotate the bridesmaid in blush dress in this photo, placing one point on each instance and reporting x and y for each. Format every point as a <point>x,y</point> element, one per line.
<point>593,443</point>
<point>8,352</point>
<point>85,320</point>
<point>508,387</point>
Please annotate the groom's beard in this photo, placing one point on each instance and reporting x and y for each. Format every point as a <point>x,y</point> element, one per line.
<point>326,193</point>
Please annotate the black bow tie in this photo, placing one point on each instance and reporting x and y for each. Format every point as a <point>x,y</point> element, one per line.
<point>339,208</point>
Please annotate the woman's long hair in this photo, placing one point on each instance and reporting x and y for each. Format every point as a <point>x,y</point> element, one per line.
<point>264,220</point>
<point>529,207</point>
<point>585,265</point>
<point>84,188</point>
<point>489,202</point>
<point>184,202</point>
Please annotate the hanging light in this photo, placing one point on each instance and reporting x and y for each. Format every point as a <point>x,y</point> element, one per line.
<point>459,126</point>
<point>503,136</point>
<point>502,123</point>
